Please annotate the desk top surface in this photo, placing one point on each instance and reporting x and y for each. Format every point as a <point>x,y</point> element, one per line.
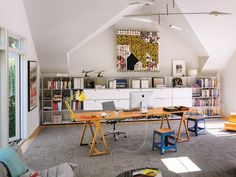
<point>111,115</point>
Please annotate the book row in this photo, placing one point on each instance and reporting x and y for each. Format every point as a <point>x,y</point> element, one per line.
<point>213,92</point>
<point>206,82</point>
<point>59,85</point>
<point>206,102</point>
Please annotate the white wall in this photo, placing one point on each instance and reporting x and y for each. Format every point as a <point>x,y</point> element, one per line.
<point>13,17</point>
<point>229,87</point>
<point>100,53</point>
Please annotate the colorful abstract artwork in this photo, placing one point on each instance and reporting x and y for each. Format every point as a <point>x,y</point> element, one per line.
<point>137,51</point>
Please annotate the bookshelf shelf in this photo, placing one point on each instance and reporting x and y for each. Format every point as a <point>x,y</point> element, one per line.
<point>206,96</point>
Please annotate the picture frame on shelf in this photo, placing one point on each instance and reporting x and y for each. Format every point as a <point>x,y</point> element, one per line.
<point>32,85</point>
<point>179,68</point>
<point>158,81</point>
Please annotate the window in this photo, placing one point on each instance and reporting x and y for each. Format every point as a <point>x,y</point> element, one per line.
<point>14,43</point>
<point>14,95</point>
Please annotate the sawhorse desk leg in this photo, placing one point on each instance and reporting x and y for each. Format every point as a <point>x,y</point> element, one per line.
<point>83,132</point>
<point>93,150</point>
<point>165,116</point>
<point>183,120</point>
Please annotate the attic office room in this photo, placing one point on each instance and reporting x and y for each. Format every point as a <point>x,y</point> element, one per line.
<point>117,88</point>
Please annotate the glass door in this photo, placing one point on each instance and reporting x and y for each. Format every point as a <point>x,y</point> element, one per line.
<point>14,95</point>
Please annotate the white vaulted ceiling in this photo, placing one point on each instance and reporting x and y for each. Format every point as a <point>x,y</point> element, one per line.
<point>60,27</point>
<point>216,33</point>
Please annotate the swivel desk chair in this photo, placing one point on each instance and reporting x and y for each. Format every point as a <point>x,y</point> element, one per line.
<point>110,106</point>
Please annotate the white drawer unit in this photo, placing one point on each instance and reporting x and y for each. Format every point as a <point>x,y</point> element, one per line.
<point>122,104</point>
<point>101,94</point>
<point>182,92</point>
<point>92,105</point>
<point>160,92</point>
<point>182,102</point>
<point>162,97</point>
<point>161,102</point>
<point>163,93</point>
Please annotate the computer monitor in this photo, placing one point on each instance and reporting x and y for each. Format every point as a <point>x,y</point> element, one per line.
<point>136,97</point>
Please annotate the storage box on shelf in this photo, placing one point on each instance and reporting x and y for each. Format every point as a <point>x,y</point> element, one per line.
<point>206,96</point>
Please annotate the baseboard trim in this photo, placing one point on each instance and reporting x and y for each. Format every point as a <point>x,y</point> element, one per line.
<point>26,142</point>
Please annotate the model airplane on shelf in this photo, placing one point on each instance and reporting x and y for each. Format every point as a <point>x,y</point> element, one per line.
<point>86,72</point>
<point>99,73</point>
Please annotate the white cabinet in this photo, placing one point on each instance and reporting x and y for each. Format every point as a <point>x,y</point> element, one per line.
<point>122,104</point>
<point>96,97</point>
<point>162,97</point>
<point>161,102</point>
<point>163,93</point>
<point>92,105</point>
<point>182,92</point>
<point>182,102</point>
<point>182,97</point>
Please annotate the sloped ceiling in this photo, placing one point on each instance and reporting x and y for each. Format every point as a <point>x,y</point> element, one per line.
<point>59,28</point>
<point>187,35</point>
<point>216,33</point>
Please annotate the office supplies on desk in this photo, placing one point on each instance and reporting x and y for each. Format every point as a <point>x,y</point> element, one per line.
<point>170,109</point>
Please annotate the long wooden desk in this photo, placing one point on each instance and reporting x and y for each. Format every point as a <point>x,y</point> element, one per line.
<point>95,118</point>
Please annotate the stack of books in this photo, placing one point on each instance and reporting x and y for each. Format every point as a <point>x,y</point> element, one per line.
<point>121,83</point>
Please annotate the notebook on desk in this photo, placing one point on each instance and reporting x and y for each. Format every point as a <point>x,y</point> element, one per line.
<point>131,110</point>
<point>175,108</point>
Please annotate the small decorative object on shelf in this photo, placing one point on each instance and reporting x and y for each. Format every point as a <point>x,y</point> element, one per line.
<point>86,72</point>
<point>177,82</point>
<point>121,83</point>
<point>89,83</point>
<point>99,73</point>
<point>158,82</point>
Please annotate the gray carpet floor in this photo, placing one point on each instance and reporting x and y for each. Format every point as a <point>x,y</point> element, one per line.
<point>214,153</point>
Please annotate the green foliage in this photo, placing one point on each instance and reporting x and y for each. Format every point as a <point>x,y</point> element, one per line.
<point>12,101</point>
<point>12,114</point>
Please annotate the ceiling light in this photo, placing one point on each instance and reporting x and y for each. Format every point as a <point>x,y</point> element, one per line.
<point>147,2</point>
<point>216,13</point>
<point>148,20</point>
<point>142,19</point>
<point>175,27</point>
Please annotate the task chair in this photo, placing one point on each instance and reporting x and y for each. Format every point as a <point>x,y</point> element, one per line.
<point>110,106</point>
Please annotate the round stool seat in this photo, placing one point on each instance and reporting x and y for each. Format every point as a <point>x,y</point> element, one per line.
<point>139,171</point>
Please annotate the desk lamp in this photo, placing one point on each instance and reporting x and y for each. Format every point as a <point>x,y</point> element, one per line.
<point>80,96</point>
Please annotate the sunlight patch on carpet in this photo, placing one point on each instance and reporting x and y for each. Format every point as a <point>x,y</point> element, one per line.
<point>180,165</point>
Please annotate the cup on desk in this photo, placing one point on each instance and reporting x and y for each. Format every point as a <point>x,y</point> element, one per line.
<point>116,113</point>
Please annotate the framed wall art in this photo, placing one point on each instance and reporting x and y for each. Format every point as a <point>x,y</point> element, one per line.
<point>158,81</point>
<point>179,68</point>
<point>32,85</point>
<point>137,51</point>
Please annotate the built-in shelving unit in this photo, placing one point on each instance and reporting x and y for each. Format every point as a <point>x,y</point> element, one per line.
<point>54,91</point>
<point>206,96</point>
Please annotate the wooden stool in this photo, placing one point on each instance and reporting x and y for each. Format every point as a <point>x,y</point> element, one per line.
<point>196,129</point>
<point>164,143</point>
